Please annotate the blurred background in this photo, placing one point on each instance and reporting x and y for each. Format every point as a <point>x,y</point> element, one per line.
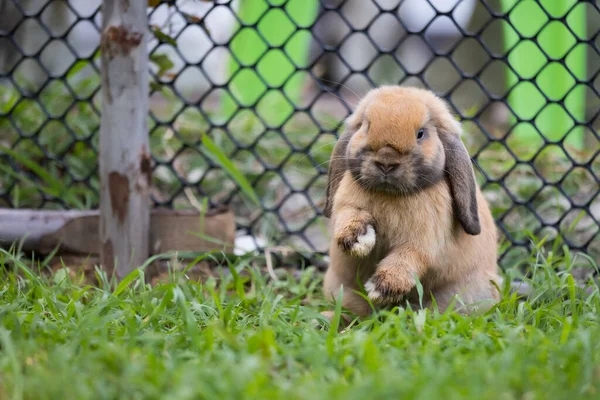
<point>271,83</point>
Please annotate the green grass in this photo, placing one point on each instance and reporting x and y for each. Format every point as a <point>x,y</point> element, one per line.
<point>244,336</point>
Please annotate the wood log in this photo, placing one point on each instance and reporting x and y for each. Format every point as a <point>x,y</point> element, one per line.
<point>77,232</point>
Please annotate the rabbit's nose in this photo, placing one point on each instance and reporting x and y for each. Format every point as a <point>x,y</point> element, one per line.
<point>386,168</point>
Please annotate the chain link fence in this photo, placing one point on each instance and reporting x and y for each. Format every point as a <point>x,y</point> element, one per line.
<point>271,81</point>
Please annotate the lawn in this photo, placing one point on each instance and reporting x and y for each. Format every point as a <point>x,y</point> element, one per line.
<point>245,335</point>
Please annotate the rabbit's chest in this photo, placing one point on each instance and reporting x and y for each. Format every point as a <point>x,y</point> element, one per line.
<point>423,219</point>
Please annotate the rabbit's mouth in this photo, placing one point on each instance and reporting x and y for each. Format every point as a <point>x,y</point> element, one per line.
<point>402,181</point>
<point>388,184</point>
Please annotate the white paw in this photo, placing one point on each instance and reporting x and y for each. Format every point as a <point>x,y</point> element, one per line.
<point>373,294</point>
<point>364,243</point>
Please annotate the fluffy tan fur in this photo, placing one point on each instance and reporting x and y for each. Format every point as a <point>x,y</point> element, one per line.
<point>444,234</point>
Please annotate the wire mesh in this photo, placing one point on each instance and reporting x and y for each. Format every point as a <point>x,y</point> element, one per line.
<point>270,82</point>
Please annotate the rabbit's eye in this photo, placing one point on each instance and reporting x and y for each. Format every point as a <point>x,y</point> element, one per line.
<point>420,133</point>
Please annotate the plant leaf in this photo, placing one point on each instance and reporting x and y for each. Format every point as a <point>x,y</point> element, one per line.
<point>163,37</point>
<point>156,3</point>
<point>77,67</point>
<point>192,19</point>
<point>126,281</point>
<point>55,185</point>
<point>163,62</point>
<point>213,151</point>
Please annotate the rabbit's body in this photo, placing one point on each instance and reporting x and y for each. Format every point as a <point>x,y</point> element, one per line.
<point>452,258</point>
<point>399,220</point>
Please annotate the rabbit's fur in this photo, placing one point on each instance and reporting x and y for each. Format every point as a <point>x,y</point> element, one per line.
<point>404,203</point>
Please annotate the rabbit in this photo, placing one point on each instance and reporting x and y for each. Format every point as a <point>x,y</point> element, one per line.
<point>404,205</point>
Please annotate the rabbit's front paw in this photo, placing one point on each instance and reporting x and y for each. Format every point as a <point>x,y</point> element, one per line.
<point>387,289</point>
<point>357,239</point>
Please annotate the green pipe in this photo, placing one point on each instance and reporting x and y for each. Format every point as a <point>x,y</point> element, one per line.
<point>553,79</point>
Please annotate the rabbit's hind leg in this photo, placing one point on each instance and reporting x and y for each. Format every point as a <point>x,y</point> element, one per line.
<point>473,297</point>
<point>344,271</point>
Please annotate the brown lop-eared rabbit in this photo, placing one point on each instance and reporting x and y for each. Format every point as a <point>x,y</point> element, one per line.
<point>404,204</point>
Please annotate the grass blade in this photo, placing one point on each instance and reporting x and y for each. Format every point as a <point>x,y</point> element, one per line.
<point>214,152</point>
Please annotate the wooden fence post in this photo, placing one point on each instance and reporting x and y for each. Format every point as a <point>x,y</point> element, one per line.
<point>125,163</point>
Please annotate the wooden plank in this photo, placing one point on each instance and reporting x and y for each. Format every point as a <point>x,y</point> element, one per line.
<point>191,231</point>
<point>124,159</point>
<point>77,232</point>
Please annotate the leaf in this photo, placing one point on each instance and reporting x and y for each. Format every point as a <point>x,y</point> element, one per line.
<point>207,238</point>
<point>335,321</point>
<point>573,225</point>
<point>163,62</point>
<point>156,3</point>
<point>77,67</point>
<point>55,188</point>
<point>126,281</point>
<point>213,151</point>
<point>55,185</point>
<point>572,295</point>
<point>167,298</point>
<point>22,178</point>
<point>60,276</point>
<point>163,37</point>
<point>156,86</point>
<point>420,319</point>
<point>419,290</point>
<point>7,103</point>
<point>192,19</point>
<point>567,327</point>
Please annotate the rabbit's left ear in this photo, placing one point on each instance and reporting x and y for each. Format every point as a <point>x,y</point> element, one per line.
<point>462,180</point>
<point>337,168</point>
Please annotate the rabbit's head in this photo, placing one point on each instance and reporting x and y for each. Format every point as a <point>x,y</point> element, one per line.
<point>400,141</point>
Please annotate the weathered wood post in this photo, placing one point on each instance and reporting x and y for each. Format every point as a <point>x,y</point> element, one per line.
<point>125,163</point>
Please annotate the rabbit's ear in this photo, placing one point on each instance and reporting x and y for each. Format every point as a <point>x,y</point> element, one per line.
<point>462,181</point>
<point>337,168</point>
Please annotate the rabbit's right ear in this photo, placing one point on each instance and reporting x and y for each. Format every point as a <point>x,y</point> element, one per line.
<point>337,168</point>
<point>462,182</point>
